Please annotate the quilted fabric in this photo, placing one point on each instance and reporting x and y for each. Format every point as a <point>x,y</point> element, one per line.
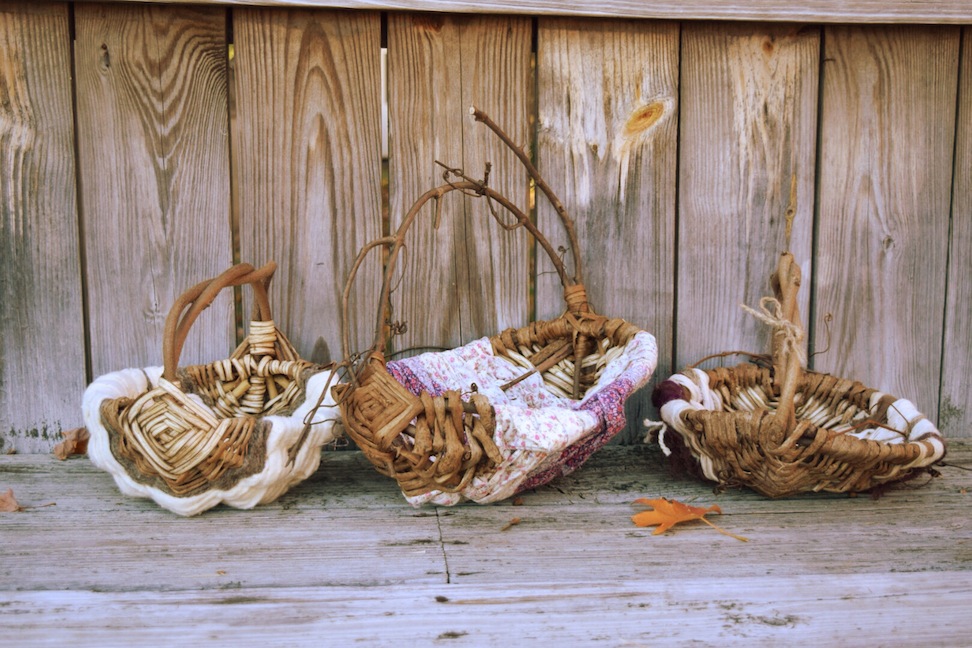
<point>540,435</point>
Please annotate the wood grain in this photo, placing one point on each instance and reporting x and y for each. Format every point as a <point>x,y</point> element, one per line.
<point>154,173</point>
<point>955,401</point>
<point>343,556</point>
<point>494,269</point>
<point>886,147</point>
<point>749,108</point>
<point>607,144</point>
<point>425,115</point>
<point>741,610</point>
<point>831,11</point>
<point>42,360</point>
<point>469,278</point>
<point>307,162</point>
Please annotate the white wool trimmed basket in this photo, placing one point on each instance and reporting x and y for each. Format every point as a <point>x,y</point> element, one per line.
<point>240,431</point>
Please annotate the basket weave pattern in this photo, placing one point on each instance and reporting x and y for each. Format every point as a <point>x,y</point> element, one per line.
<point>848,438</point>
<point>782,430</point>
<point>194,429</point>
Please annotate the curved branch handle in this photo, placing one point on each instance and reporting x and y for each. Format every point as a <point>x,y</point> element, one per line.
<point>574,292</point>
<point>346,296</point>
<point>194,301</point>
<point>542,185</point>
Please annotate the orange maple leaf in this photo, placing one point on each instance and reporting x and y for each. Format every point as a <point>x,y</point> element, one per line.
<point>667,513</point>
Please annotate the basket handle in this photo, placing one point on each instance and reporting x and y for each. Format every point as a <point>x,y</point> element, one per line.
<point>542,185</point>
<point>194,301</point>
<point>787,335</point>
<point>574,293</point>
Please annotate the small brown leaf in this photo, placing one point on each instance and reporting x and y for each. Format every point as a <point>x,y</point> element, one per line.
<point>75,442</point>
<point>8,503</point>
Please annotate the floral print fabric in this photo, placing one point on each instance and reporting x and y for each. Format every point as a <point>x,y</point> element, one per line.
<point>540,434</point>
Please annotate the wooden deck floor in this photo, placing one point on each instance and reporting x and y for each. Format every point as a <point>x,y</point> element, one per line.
<point>343,560</point>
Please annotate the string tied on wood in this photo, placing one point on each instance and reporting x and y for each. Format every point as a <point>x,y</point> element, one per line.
<point>791,334</point>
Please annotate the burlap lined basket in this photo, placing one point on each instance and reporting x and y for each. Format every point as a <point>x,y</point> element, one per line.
<point>783,430</point>
<point>231,431</point>
<point>504,413</point>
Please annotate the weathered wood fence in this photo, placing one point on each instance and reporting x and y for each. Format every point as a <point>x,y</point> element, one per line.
<point>144,148</point>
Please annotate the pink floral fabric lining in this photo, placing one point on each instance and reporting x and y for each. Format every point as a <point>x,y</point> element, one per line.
<point>541,435</point>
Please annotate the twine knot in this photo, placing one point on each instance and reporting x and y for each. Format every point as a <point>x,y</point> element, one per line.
<point>771,312</point>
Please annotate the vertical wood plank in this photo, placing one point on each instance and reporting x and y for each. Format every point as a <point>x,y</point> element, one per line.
<point>608,122</point>
<point>749,108</point>
<point>307,162</point>
<point>154,170</point>
<point>493,263</point>
<point>42,362</point>
<point>469,278</point>
<point>425,122</point>
<point>885,178</point>
<point>955,402</point>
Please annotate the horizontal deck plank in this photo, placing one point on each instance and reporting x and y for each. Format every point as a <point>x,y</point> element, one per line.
<point>831,11</point>
<point>858,610</point>
<point>343,556</point>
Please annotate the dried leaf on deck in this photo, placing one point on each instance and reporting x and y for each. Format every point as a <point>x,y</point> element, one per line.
<point>667,513</point>
<point>8,503</point>
<point>75,442</point>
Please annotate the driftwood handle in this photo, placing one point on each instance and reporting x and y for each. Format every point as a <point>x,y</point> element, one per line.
<point>574,293</point>
<point>194,301</point>
<point>787,338</point>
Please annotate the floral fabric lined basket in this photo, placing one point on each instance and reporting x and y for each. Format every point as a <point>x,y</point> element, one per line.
<point>240,431</point>
<point>782,430</point>
<point>500,414</point>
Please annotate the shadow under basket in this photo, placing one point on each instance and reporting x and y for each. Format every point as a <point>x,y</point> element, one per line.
<point>781,430</point>
<point>500,414</point>
<point>236,431</point>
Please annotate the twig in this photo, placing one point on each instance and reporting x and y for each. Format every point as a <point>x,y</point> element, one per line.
<point>512,523</point>
<point>723,531</point>
<point>758,357</point>
<point>480,116</point>
<point>828,318</point>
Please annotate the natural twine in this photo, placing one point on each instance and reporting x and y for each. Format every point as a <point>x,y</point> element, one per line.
<point>771,312</point>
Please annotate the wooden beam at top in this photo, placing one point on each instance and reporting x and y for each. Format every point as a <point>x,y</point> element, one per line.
<point>815,11</point>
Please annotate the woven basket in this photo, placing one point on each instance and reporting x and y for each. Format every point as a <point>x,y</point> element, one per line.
<point>500,414</point>
<point>236,431</point>
<point>782,430</point>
